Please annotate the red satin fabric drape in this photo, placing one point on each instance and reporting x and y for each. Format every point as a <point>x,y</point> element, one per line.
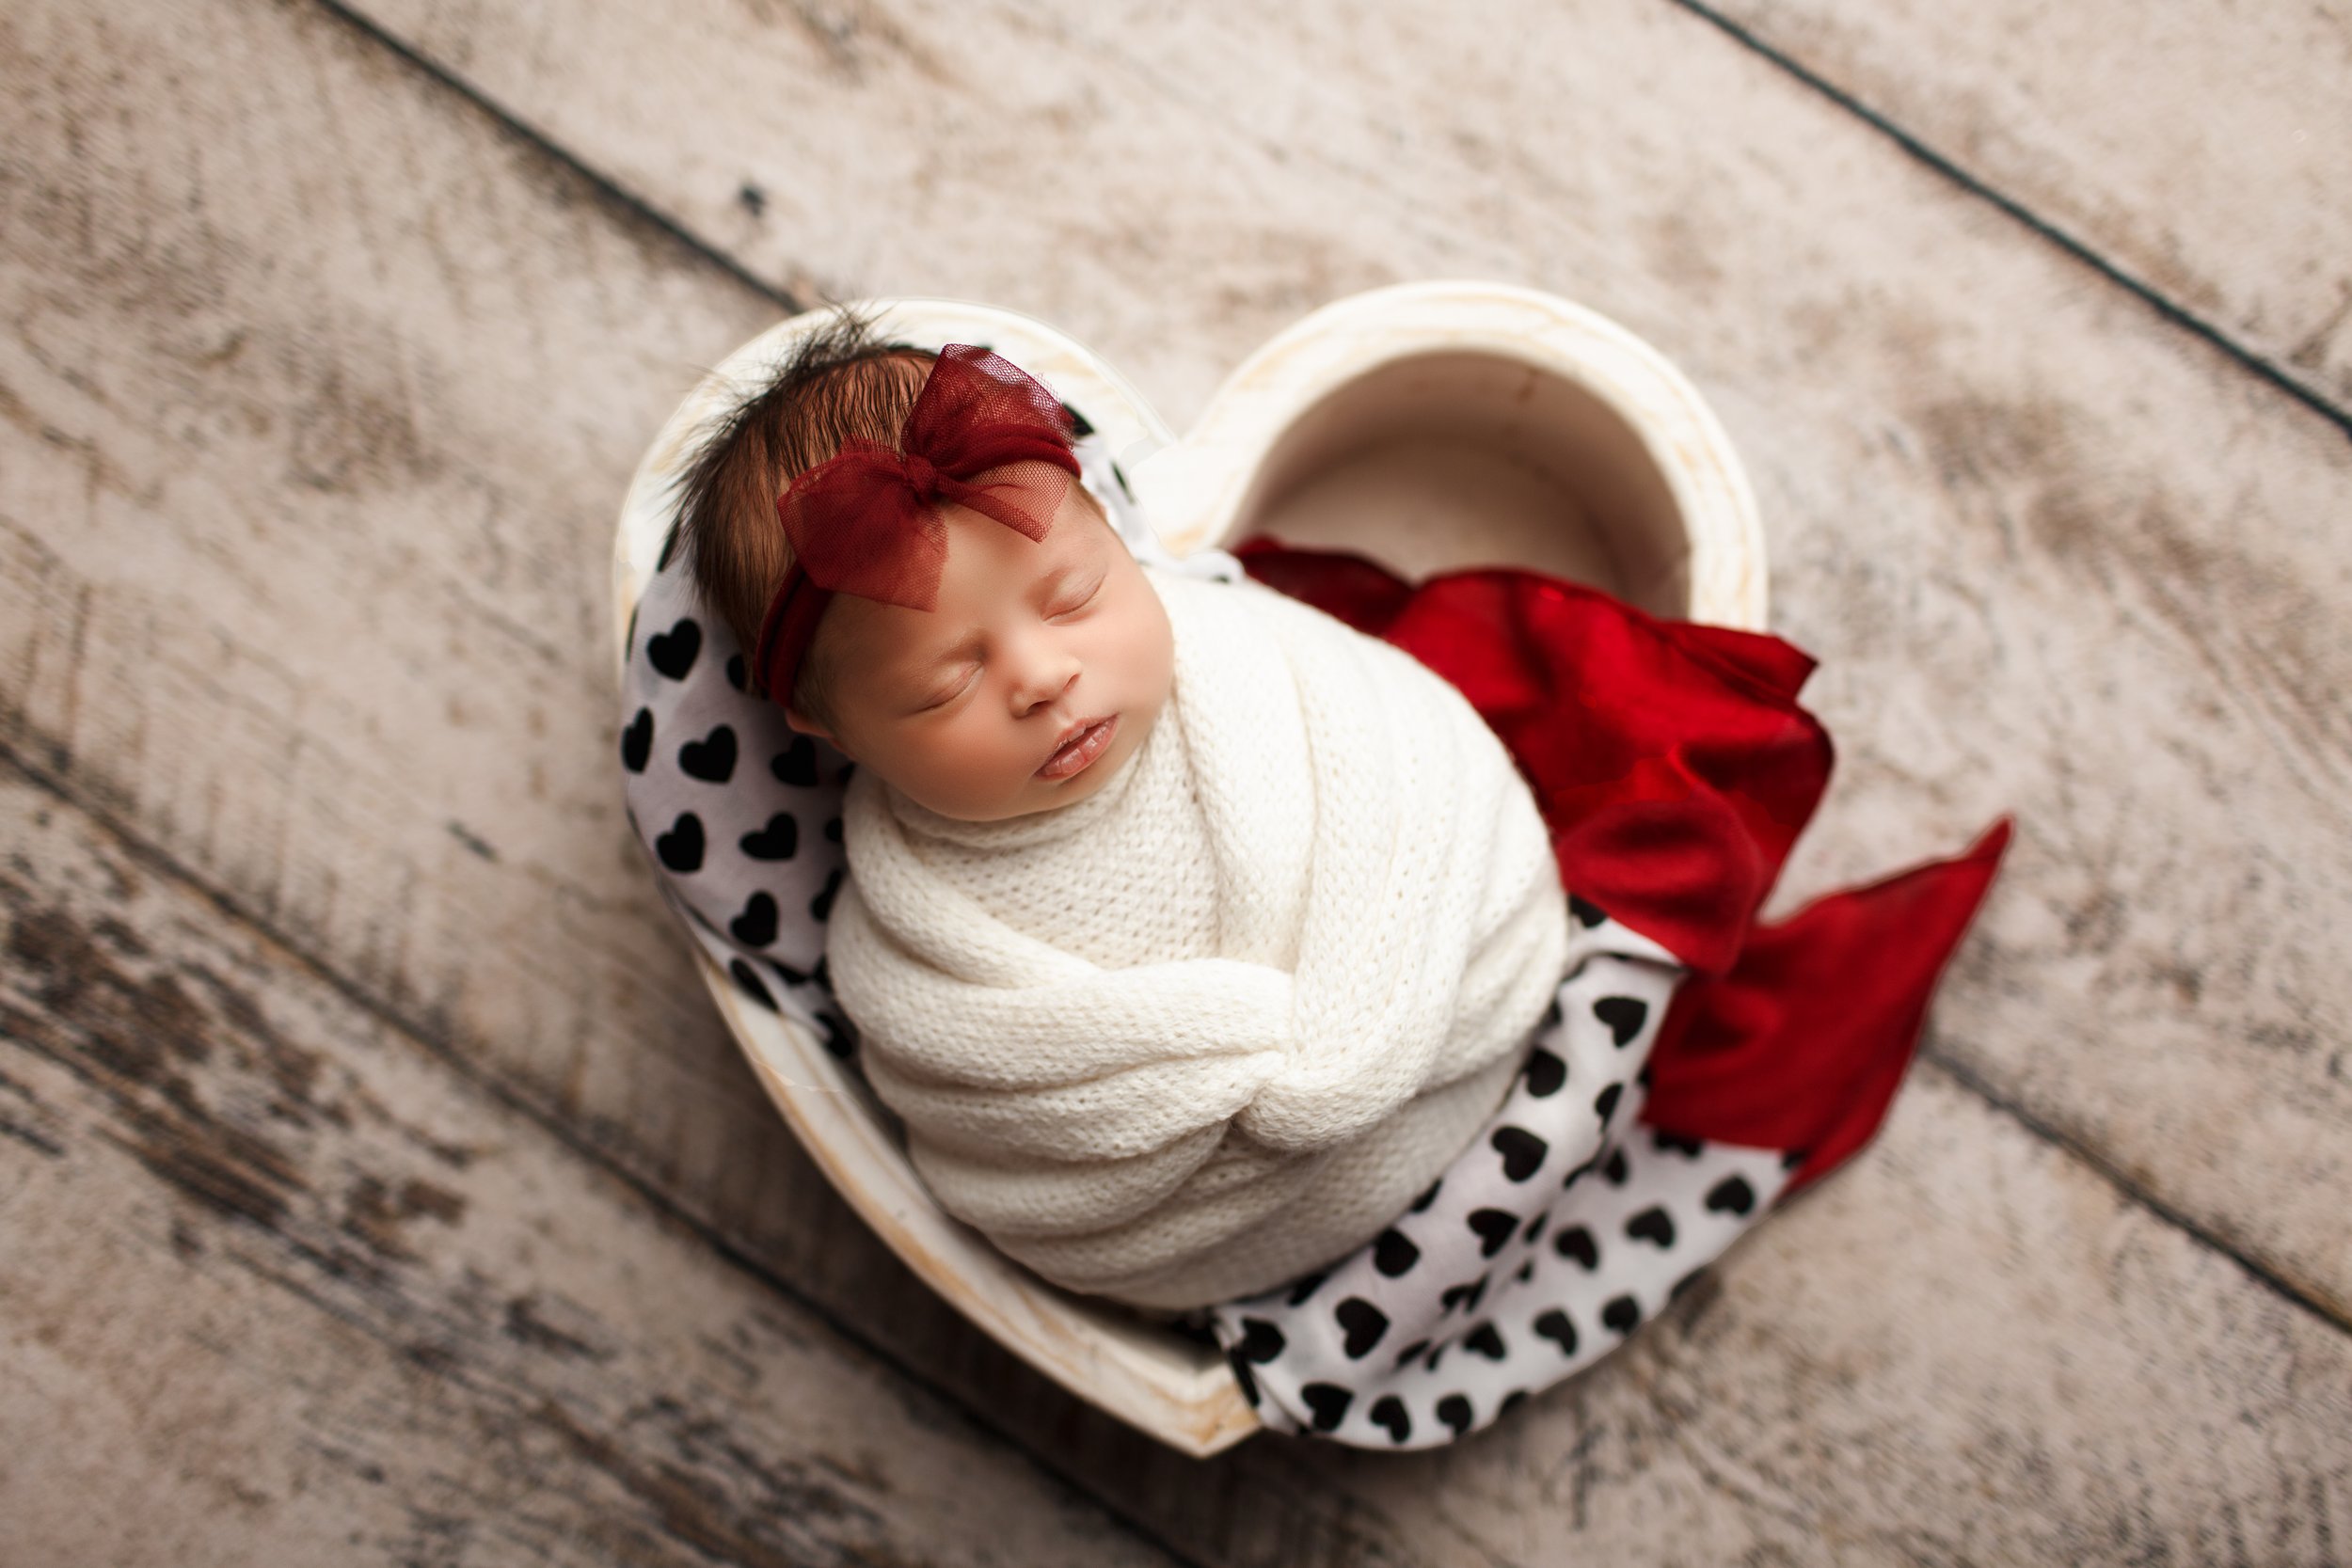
<point>1676,769</point>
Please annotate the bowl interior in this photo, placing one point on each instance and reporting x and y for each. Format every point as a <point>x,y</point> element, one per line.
<point>1467,458</point>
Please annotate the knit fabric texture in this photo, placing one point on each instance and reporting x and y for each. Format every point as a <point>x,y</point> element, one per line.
<point>1221,1022</point>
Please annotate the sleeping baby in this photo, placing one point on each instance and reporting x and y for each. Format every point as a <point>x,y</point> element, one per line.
<point>1190,932</point>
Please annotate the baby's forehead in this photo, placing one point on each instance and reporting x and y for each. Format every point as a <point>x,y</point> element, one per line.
<point>987,565</point>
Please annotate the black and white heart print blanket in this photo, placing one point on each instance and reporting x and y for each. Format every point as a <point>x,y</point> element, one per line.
<point>1544,1243</point>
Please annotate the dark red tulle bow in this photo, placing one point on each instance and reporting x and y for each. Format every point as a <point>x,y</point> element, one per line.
<point>866,521</point>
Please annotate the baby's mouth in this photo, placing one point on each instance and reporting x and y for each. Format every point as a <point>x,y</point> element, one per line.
<point>1080,745</point>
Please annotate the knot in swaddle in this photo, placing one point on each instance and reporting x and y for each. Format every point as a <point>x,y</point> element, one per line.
<point>1218,1024</point>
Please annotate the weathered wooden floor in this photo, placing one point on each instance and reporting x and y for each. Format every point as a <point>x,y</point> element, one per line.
<point>376,1183</point>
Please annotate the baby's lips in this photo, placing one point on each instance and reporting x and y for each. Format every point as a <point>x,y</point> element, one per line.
<point>1077,753</point>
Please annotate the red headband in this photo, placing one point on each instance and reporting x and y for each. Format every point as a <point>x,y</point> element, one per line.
<point>866,521</point>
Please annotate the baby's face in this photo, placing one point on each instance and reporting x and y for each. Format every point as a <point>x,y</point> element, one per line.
<point>1037,674</point>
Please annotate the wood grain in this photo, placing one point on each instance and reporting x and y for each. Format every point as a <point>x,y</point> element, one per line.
<point>2058,555</point>
<point>2198,147</point>
<point>277,1285</point>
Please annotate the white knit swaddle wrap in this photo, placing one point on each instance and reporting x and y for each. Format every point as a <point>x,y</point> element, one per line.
<point>1218,1024</point>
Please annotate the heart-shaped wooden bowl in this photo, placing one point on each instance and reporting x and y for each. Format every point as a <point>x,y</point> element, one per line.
<point>1428,426</point>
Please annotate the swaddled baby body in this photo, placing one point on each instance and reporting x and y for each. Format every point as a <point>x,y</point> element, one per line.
<point>1220,1022</point>
<point>1190,932</point>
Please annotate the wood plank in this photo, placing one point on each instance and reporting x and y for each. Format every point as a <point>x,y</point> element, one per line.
<point>277,1285</point>
<point>2058,555</point>
<point>2198,147</point>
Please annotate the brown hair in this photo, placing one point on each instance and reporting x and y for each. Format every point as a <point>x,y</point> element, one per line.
<point>839,381</point>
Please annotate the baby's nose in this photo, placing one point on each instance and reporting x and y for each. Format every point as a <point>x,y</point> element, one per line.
<point>1043,677</point>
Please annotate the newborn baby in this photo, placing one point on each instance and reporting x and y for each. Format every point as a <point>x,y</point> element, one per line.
<point>1190,932</point>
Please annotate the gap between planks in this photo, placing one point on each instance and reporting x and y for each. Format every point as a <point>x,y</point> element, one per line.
<point>2170,310</point>
<point>637,208</point>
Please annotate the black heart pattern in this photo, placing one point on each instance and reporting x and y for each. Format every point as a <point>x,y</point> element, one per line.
<point>1652,1223</point>
<point>796,765</point>
<point>1546,1072</point>
<point>710,759</point>
<point>778,841</point>
<point>1455,1411</point>
<point>1674,1143</point>
<point>1389,1414</point>
<point>757,926</point>
<point>1731,1196</point>
<point>1625,1016</point>
<point>1394,1253</point>
<point>1494,1227</point>
<point>1486,1341</point>
<point>1307,1287</point>
<point>1577,1242</point>
<point>1261,1341</point>
<point>1327,1402</point>
<point>1363,1323</point>
<point>1554,1326</point>
<point>1605,1103</point>
<point>736,675</point>
<point>1428,1197</point>
<point>637,741</point>
<point>1522,1151</point>
<point>1411,1351</point>
<point>681,847</point>
<point>1614,1172</point>
<point>671,653</point>
<point>1587,913</point>
<point>1621,1315</point>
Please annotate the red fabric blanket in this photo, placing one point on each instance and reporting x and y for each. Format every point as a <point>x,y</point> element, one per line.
<point>1676,769</point>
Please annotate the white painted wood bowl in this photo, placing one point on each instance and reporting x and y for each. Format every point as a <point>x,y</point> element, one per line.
<point>1428,426</point>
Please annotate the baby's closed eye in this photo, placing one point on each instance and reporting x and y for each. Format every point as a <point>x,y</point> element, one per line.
<point>1071,600</point>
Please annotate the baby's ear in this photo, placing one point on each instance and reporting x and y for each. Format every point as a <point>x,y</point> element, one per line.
<point>803,723</point>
